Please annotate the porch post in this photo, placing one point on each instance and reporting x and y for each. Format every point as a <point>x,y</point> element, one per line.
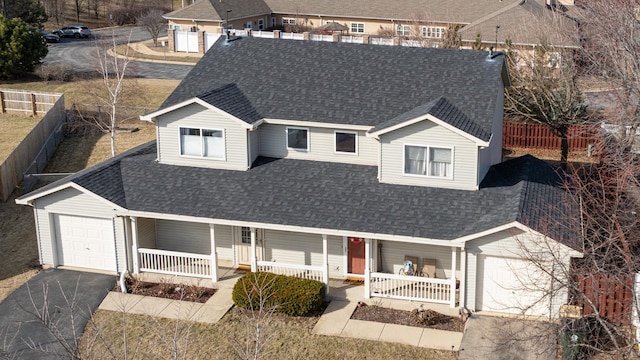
<point>214,254</point>
<point>463,277</point>
<point>454,252</point>
<point>367,268</point>
<point>254,264</point>
<point>325,262</point>
<point>134,244</point>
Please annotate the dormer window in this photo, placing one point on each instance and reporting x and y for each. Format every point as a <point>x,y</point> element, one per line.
<point>208,143</point>
<point>428,161</point>
<point>346,142</point>
<point>298,138</point>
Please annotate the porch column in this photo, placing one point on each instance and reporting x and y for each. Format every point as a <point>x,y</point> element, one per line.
<point>463,277</point>
<point>254,261</point>
<point>134,244</point>
<point>214,255</point>
<point>454,252</point>
<point>367,268</point>
<point>325,262</point>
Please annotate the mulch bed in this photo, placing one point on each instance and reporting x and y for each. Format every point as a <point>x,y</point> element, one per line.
<point>419,318</point>
<point>168,291</point>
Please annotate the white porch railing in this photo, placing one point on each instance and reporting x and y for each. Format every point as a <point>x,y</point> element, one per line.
<point>301,271</point>
<point>410,288</point>
<point>175,263</point>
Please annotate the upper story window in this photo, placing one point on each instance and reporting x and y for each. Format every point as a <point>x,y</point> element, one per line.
<point>403,30</point>
<point>207,143</point>
<point>428,161</point>
<point>357,28</point>
<point>346,142</point>
<point>298,138</point>
<point>288,21</point>
<point>434,32</point>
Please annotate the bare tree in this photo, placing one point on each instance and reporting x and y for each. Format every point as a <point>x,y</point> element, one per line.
<point>113,69</point>
<point>153,22</point>
<point>545,90</point>
<point>609,31</point>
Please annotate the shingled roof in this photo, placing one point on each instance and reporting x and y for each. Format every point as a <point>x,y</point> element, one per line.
<point>345,83</point>
<point>216,10</point>
<point>286,192</point>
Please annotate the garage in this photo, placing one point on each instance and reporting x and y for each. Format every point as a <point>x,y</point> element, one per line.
<point>510,285</point>
<point>85,242</point>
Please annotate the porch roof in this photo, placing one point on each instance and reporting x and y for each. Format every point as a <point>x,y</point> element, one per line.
<point>336,196</point>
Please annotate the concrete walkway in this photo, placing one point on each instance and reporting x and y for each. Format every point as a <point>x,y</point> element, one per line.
<point>335,321</point>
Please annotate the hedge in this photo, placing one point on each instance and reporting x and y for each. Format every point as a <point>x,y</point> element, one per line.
<point>286,294</point>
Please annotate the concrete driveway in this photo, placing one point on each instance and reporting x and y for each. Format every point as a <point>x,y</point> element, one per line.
<point>499,338</point>
<point>65,299</point>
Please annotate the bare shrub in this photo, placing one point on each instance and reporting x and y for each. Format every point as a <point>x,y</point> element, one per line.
<point>54,72</point>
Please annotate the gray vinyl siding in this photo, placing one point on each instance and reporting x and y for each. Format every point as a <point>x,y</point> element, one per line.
<point>196,116</point>
<point>224,242</point>
<point>146,233</point>
<point>321,146</point>
<point>254,140</point>
<point>471,283</point>
<point>393,253</point>
<point>183,236</point>
<point>426,133</point>
<point>74,202</point>
<point>303,249</point>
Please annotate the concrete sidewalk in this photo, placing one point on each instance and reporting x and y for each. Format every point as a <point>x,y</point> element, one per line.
<point>336,321</point>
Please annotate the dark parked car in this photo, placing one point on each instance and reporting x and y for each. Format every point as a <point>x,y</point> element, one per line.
<point>52,38</point>
<point>76,31</point>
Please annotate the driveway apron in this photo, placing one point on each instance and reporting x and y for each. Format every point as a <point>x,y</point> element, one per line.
<point>62,298</point>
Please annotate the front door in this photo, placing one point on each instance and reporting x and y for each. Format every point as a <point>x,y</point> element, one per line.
<point>355,255</point>
<point>243,245</point>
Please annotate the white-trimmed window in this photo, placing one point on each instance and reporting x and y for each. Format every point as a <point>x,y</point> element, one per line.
<point>197,142</point>
<point>346,142</point>
<point>288,21</point>
<point>357,28</point>
<point>403,30</point>
<point>298,138</point>
<point>429,161</point>
<point>433,32</point>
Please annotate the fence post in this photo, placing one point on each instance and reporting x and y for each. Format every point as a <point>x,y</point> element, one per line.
<point>34,110</point>
<point>2,110</point>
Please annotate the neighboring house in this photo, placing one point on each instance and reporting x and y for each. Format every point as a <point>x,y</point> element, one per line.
<point>324,160</point>
<point>524,23</point>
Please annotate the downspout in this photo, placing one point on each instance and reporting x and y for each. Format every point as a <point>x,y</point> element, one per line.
<point>123,284</point>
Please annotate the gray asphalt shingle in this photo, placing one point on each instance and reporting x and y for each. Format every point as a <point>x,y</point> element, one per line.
<point>342,83</point>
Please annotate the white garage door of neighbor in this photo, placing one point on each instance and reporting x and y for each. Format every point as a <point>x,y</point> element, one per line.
<point>85,242</point>
<point>510,285</point>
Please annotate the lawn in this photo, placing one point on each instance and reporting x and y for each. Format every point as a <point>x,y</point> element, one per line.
<point>13,128</point>
<point>289,338</point>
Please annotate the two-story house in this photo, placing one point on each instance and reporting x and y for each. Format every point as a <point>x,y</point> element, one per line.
<point>324,160</point>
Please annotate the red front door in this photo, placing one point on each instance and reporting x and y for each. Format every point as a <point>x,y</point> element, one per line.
<point>355,249</point>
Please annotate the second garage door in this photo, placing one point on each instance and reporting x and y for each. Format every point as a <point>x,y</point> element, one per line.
<point>85,242</point>
<point>510,285</point>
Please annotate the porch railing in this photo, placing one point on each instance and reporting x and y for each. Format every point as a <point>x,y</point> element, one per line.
<point>174,263</point>
<point>301,271</point>
<point>410,288</point>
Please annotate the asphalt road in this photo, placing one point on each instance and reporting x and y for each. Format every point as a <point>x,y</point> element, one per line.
<point>80,54</point>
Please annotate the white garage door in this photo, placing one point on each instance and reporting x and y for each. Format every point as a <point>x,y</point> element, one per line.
<point>85,242</point>
<point>511,285</point>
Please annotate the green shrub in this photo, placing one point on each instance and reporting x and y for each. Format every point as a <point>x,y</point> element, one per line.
<point>287,294</point>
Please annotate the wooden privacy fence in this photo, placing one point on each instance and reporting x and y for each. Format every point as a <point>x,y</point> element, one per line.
<point>538,136</point>
<point>12,168</point>
<point>26,102</point>
<point>611,296</point>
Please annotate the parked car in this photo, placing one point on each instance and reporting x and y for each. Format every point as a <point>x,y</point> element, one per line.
<point>51,38</point>
<point>76,31</point>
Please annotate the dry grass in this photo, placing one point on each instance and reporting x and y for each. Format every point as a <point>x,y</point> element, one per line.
<point>291,339</point>
<point>13,128</point>
<point>171,56</point>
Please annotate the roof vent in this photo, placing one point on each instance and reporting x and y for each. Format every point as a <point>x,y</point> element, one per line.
<point>490,51</point>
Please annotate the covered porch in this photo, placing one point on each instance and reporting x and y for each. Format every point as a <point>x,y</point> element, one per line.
<point>205,250</point>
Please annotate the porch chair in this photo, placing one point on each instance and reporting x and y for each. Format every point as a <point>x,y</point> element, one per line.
<point>428,268</point>
<point>414,260</point>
